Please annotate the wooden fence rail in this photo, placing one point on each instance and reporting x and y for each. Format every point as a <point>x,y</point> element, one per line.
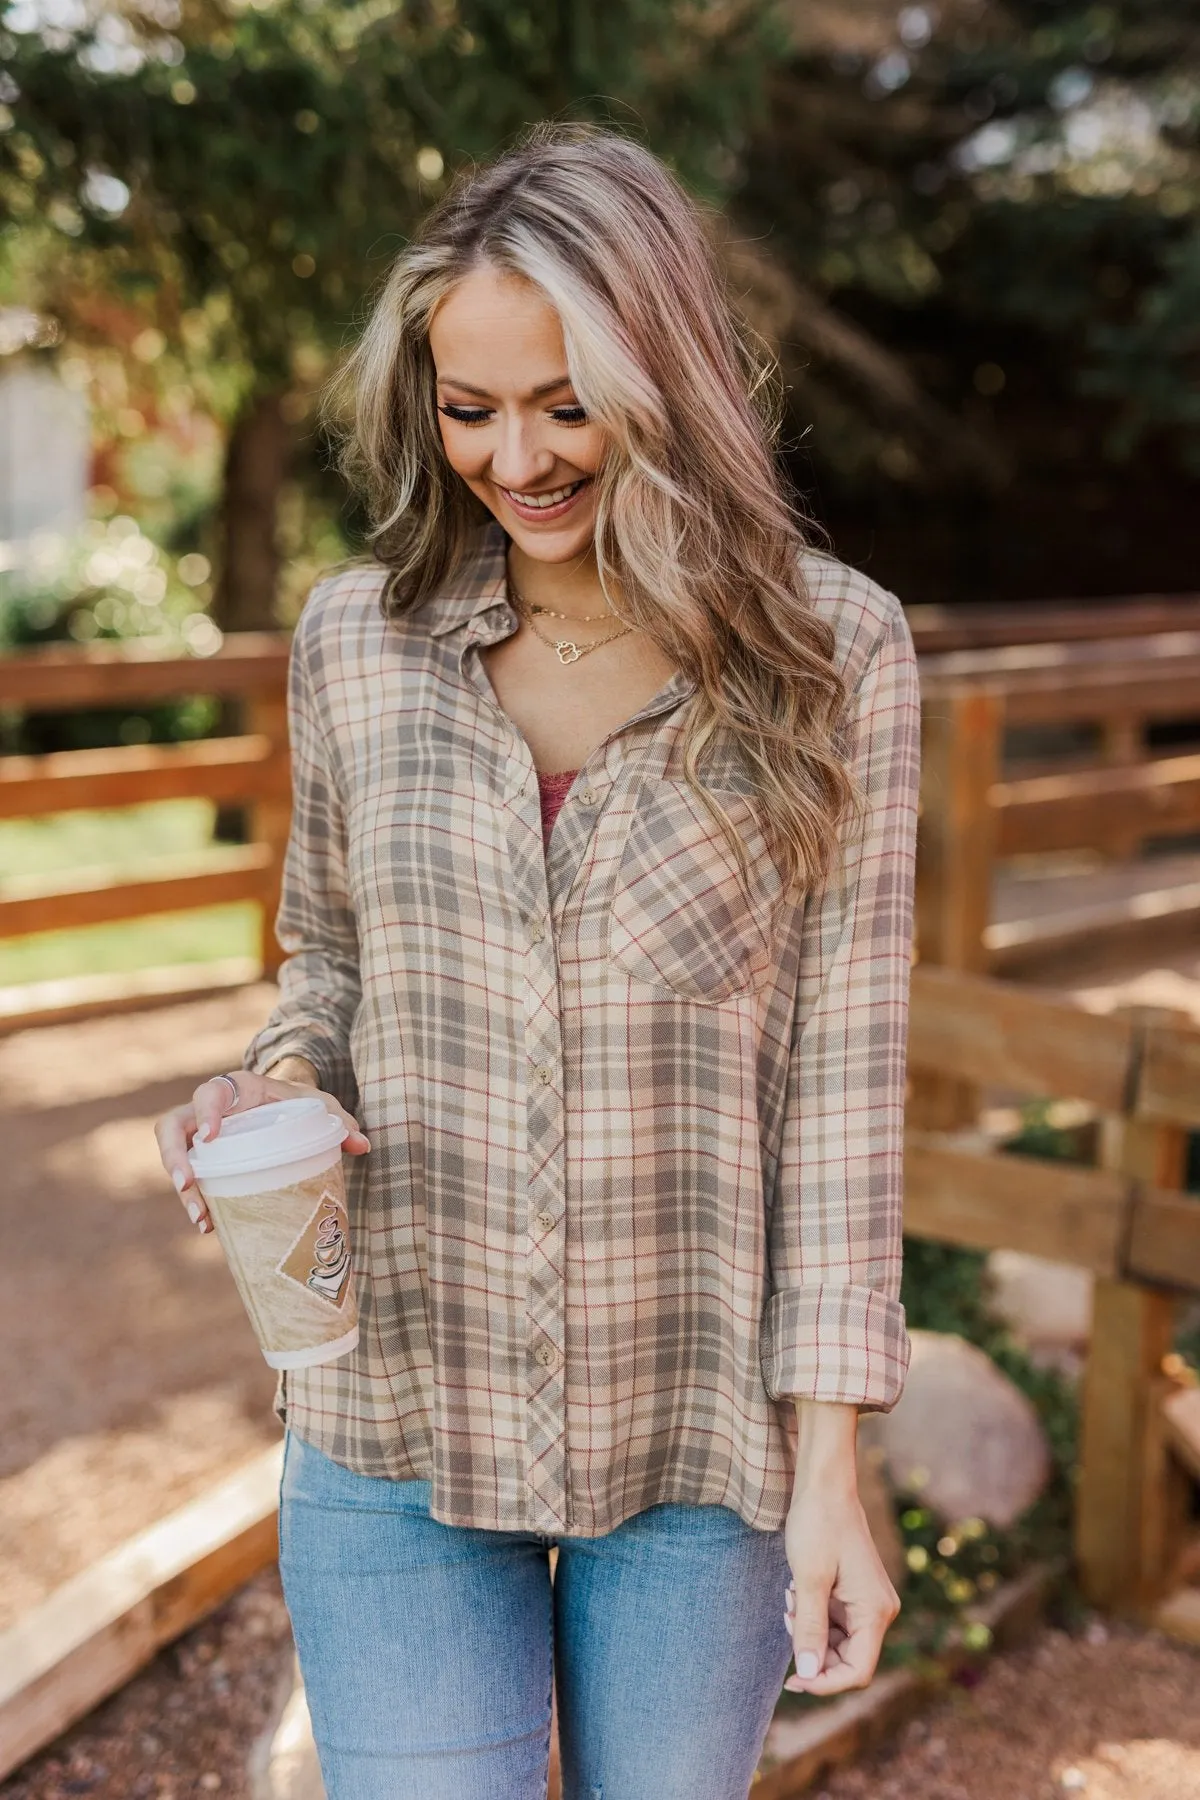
<point>997,625</point>
<point>1112,799</point>
<point>250,770</point>
<point>1126,1220</point>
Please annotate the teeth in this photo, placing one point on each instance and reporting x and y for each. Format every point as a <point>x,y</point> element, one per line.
<point>541,500</point>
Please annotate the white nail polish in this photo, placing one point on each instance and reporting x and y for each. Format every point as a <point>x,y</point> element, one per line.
<point>179,1177</point>
<point>193,1212</point>
<point>807,1665</point>
<point>203,1135</point>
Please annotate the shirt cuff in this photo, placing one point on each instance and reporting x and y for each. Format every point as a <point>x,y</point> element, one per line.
<point>335,1074</point>
<point>836,1342</point>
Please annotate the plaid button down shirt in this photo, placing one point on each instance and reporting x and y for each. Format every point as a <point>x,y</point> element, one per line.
<point>635,1176</point>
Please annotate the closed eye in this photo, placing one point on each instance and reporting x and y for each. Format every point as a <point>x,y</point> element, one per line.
<point>466,415</point>
<point>568,415</point>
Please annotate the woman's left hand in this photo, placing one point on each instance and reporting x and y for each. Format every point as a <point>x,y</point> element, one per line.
<point>843,1600</point>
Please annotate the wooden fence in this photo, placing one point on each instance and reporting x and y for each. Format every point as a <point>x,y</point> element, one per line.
<point>249,769</point>
<point>993,625</point>
<point>1111,798</point>
<point>1126,1220</point>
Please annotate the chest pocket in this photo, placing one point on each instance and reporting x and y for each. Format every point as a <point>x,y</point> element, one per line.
<point>683,914</point>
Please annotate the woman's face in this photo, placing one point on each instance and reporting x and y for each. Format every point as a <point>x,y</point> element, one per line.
<point>510,422</point>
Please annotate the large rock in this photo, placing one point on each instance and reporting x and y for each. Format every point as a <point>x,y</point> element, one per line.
<point>1046,1305</point>
<point>962,1439</point>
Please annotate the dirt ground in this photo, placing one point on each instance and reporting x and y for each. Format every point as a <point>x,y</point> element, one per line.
<point>1109,1713</point>
<point>129,1376</point>
<point>188,1726</point>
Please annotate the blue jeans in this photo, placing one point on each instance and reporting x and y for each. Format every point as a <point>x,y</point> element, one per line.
<point>427,1649</point>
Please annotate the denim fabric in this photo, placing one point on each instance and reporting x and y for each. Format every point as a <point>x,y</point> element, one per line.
<point>427,1649</point>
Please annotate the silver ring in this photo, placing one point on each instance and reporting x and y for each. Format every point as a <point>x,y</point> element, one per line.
<point>233,1088</point>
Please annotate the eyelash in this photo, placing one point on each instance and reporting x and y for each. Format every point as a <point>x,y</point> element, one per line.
<point>479,415</point>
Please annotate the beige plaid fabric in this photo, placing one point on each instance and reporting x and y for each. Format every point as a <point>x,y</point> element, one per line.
<point>635,1173</point>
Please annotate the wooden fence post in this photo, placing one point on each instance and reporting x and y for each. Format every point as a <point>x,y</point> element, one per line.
<point>270,821</point>
<point>961,734</point>
<point>1131,1498</point>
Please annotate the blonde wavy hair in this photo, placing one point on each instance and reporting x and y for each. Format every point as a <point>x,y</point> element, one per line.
<point>697,542</point>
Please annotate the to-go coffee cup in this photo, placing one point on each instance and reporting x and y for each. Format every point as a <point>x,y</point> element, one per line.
<point>272,1181</point>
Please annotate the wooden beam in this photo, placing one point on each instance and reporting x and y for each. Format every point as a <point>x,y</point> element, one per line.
<point>1169,1086</point>
<point>266,714</point>
<point>1094,659</point>
<point>221,769</point>
<point>1015,943</point>
<point>992,1032</point>
<point>1164,1240</point>
<point>62,677</point>
<point>98,1630</point>
<point>1130,1494</point>
<point>986,1201</point>
<point>1097,808</point>
<point>1181,1411</point>
<point>956,835</point>
<point>216,879</point>
<point>983,625</point>
<point>960,749</point>
<point>32,1003</point>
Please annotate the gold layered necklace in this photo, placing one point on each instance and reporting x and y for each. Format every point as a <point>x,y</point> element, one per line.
<point>566,649</point>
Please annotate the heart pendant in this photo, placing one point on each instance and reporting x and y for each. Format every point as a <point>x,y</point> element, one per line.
<point>567,651</point>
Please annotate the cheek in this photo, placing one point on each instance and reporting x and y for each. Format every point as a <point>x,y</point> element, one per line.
<point>589,450</point>
<point>465,452</point>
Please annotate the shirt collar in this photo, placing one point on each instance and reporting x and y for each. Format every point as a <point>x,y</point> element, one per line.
<point>479,583</point>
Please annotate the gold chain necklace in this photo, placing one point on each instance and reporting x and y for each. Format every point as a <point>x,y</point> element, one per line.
<point>566,649</point>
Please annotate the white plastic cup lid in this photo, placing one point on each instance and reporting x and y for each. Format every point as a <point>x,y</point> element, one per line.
<point>282,1131</point>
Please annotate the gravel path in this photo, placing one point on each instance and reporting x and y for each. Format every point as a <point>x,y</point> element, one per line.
<point>129,1376</point>
<point>1109,1714</point>
<point>185,1728</point>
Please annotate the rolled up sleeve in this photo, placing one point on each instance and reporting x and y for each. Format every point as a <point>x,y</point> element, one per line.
<point>320,986</point>
<point>833,1328</point>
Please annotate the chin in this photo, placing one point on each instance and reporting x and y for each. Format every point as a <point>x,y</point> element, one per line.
<point>552,546</point>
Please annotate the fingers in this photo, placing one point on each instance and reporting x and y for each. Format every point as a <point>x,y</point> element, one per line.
<point>216,1097</point>
<point>810,1628</point>
<point>200,1121</point>
<point>358,1143</point>
<point>850,1662</point>
<point>174,1132</point>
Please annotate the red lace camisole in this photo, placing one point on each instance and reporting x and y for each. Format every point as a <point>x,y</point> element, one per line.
<point>552,791</point>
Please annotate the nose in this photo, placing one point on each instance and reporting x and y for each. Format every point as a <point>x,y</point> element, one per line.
<point>518,462</point>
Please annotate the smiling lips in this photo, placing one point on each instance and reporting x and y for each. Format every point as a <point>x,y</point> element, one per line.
<point>542,506</point>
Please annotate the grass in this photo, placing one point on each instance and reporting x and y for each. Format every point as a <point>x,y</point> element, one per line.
<point>126,842</point>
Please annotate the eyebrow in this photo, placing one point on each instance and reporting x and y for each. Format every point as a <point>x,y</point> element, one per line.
<point>547,387</point>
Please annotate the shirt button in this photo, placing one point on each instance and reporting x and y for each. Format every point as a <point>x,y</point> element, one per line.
<point>537,932</point>
<point>545,1354</point>
<point>546,1221</point>
<point>587,796</point>
<point>544,1074</point>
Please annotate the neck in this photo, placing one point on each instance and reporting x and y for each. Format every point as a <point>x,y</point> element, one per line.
<point>570,587</point>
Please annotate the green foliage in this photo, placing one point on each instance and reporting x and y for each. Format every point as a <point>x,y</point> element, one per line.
<point>111,582</point>
<point>246,177</point>
<point>1009,197</point>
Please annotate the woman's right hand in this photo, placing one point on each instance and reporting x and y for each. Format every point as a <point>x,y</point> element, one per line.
<point>200,1118</point>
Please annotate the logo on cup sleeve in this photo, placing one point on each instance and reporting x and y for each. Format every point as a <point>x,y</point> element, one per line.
<point>319,1260</point>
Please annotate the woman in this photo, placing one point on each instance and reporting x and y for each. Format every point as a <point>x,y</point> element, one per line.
<point>597,906</point>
